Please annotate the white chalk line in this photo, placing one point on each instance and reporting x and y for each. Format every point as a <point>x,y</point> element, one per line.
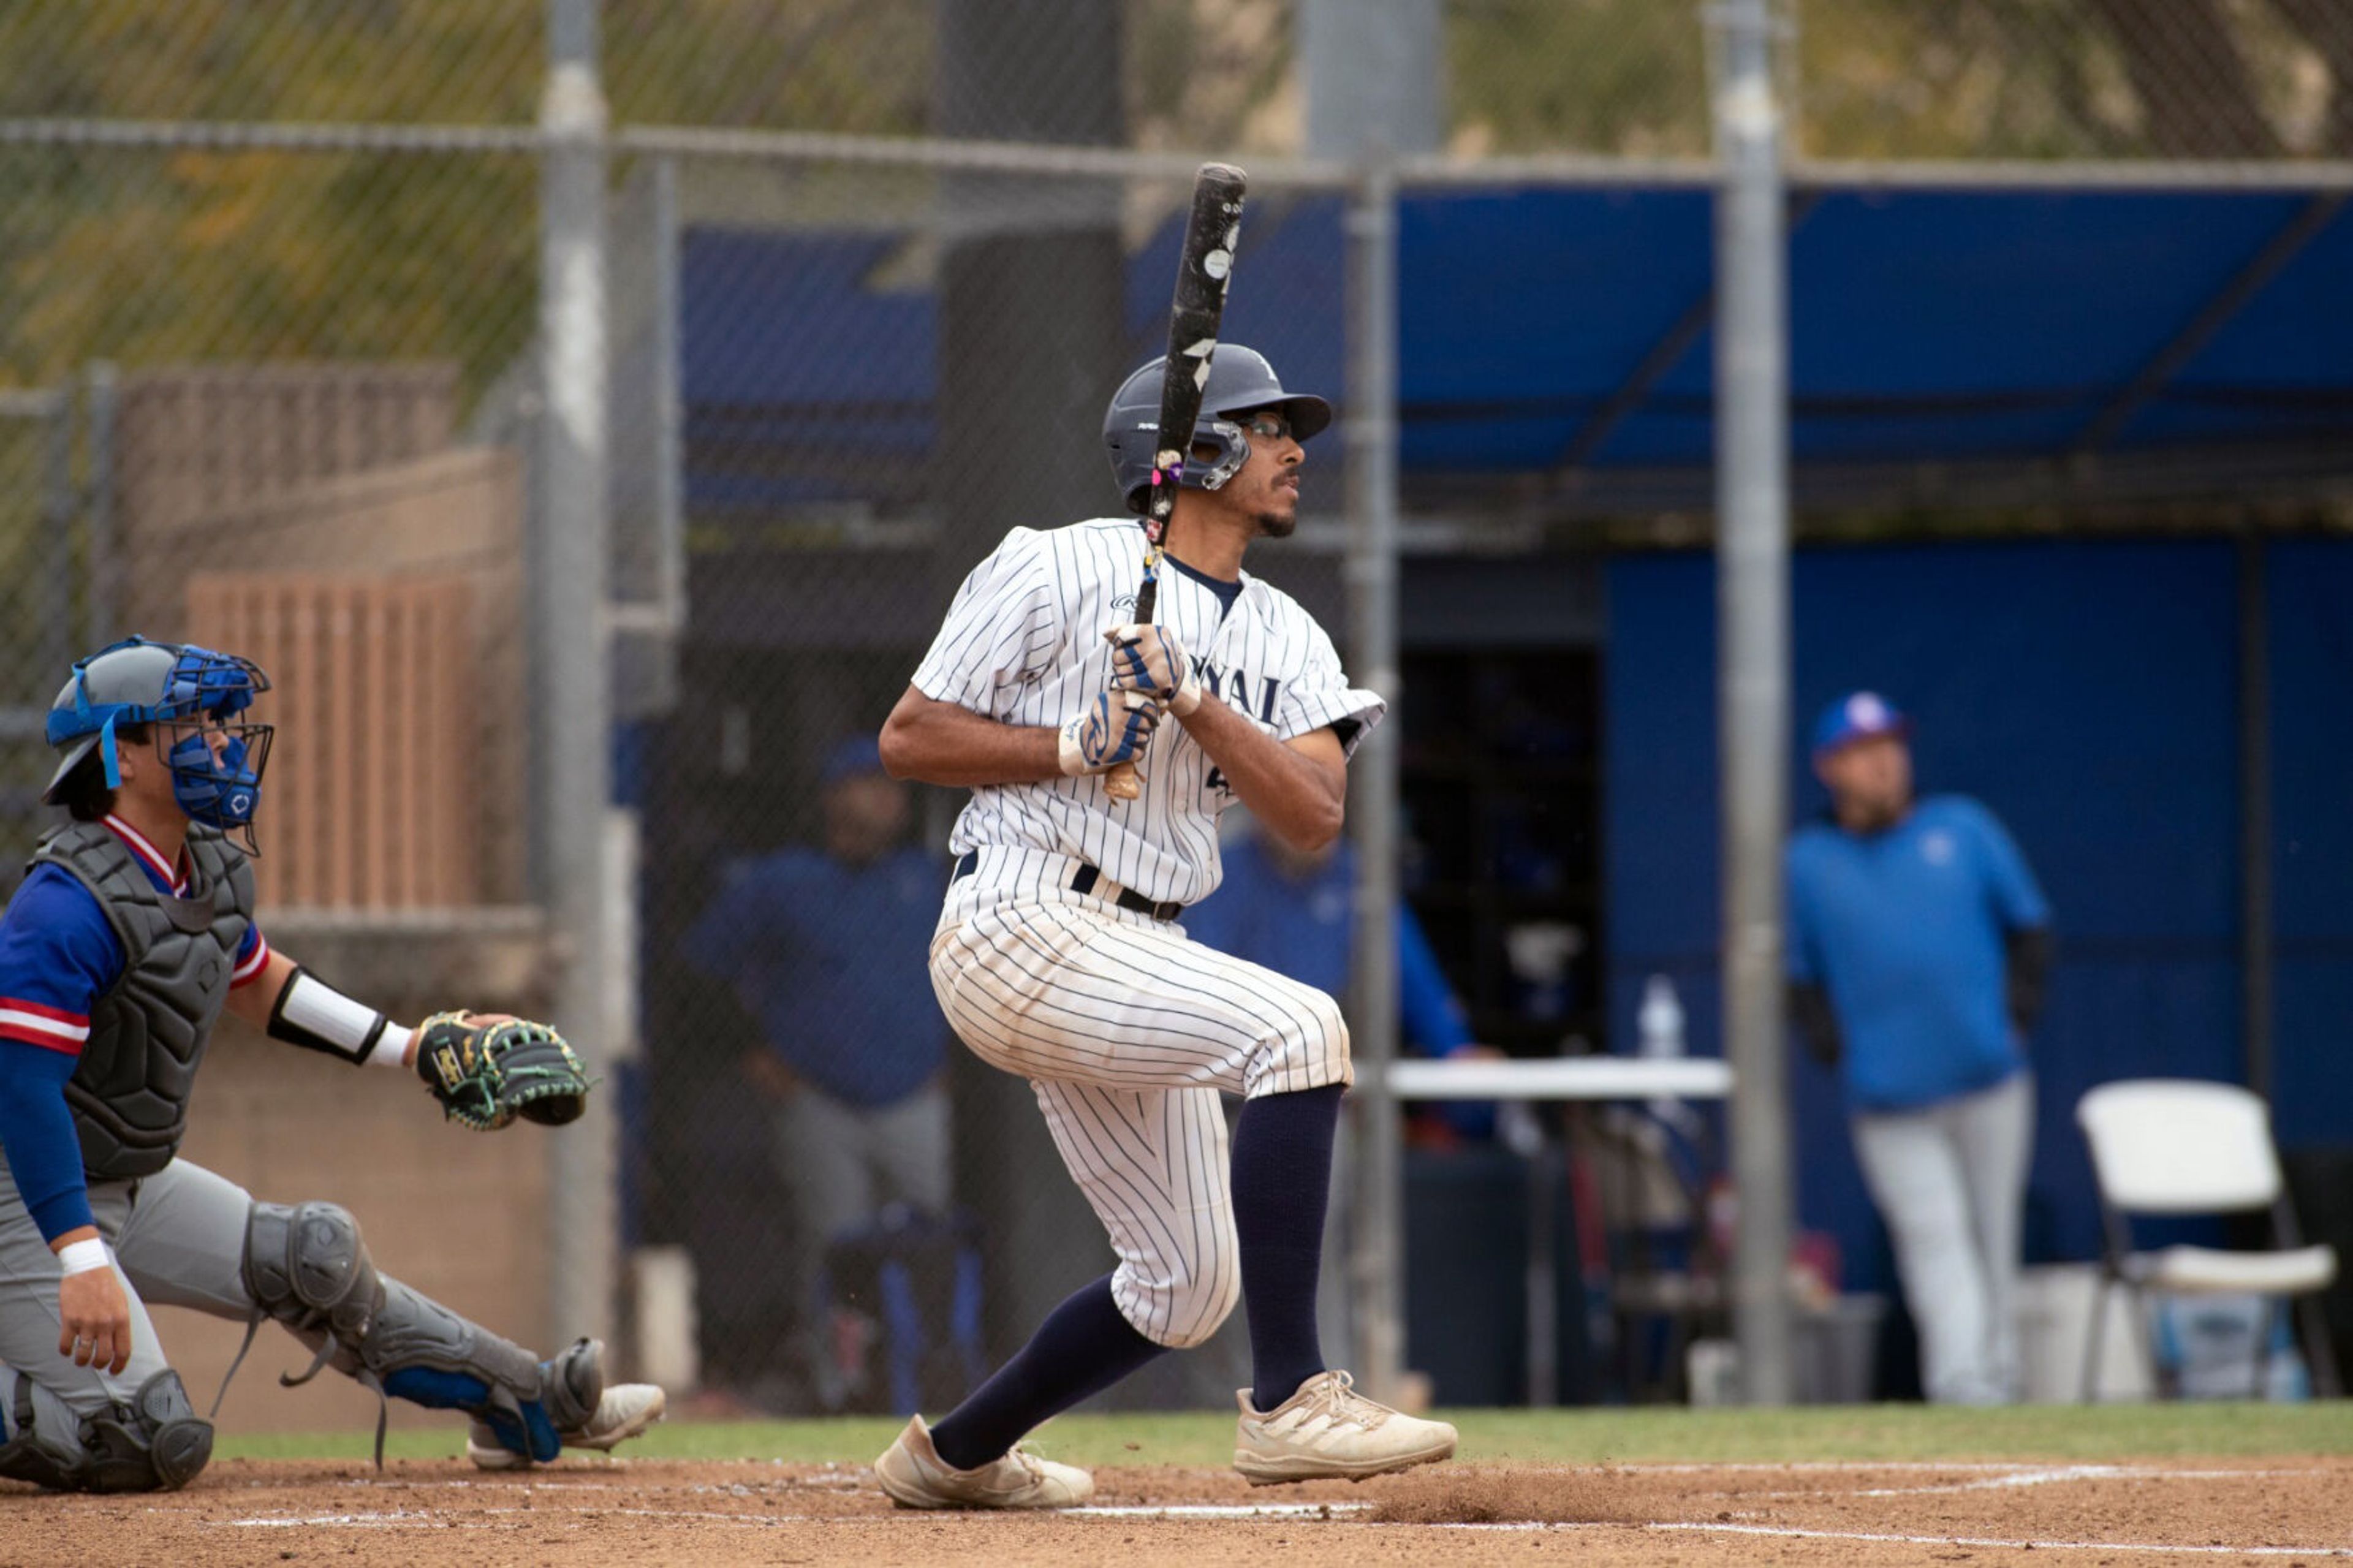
<point>2001,1475</point>
<point>396,1518</point>
<point>1273,1513</point>
<point>1772,1466</point>
<point>1221,1510</point>
<point>1791,1532</point>
<point>2062,1474</point>
<point>569,1519</point>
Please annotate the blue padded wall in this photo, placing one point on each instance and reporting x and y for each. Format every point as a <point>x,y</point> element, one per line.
<point>2310,599</point>
<point>2087,692</point>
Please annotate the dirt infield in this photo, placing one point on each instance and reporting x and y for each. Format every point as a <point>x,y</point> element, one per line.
<point>581,1514</point>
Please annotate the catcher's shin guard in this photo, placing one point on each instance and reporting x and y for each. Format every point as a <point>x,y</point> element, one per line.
<point>157,1443</point>
<point>309,1267</point>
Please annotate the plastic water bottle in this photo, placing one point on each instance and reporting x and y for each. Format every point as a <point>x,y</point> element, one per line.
<point>1659,1028</point>
<point>1660,1021</point>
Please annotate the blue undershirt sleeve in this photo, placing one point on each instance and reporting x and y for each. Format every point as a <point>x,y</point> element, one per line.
<point>719,943</point>
<point>1799,965</point>
<point>37,1132</point>
<point>58,956</point>
<point>1427,1008</point>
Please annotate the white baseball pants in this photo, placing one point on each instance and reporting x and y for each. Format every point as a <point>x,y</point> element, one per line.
<point>1950,1181</point>
<point>1127,1030</point>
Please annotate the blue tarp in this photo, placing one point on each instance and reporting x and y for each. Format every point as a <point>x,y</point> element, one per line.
<point>1926,325</point>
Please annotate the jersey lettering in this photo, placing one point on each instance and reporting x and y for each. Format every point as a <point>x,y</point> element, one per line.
<point>1023,644</point>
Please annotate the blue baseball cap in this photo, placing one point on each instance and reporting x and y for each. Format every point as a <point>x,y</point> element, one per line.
<point>851,757</point>
<point>1857,716</point>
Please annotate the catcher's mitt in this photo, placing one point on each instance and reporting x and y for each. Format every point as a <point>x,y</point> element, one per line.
<point>487,1070</point>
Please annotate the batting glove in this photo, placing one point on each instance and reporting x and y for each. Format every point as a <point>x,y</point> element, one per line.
<point>1149,658</point>
<point>1112,729</point>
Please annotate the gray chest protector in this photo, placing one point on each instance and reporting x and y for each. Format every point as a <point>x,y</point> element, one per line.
<point>147,1035</point>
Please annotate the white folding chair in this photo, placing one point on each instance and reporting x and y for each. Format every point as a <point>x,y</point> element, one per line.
<point>2181,1146</point>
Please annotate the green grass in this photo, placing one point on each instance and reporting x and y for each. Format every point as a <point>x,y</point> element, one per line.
<point>2097,1433</point>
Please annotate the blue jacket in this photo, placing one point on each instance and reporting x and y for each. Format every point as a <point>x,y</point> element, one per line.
<point>829,959</point>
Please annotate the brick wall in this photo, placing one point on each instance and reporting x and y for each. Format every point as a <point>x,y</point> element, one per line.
<point>373,694</point>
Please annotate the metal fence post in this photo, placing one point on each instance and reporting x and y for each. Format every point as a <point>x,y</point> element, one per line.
<point>101,562</point>
<point>2258,926</point>
<point>1753,673</point>
<point>56,521</point>
<point>1372,565</point>
<point>572,640</point>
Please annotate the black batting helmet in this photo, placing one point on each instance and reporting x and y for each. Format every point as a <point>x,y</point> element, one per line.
<point>1241,382</point>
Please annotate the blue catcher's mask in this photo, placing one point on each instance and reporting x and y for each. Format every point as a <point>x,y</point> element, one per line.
<point>219,787</point>
<point>191,696</point>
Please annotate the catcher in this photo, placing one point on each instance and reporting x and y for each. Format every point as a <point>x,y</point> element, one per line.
<point>131,931</point>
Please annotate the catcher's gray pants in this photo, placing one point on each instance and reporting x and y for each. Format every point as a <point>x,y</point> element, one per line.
<point>179,1241</point>
<point>1950,1181</point>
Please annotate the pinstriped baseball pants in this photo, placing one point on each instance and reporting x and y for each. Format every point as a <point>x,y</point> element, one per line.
<point>1127,1031</point>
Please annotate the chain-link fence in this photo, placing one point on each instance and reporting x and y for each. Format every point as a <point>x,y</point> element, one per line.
<point>273,280</point>
<point>2074,79</point>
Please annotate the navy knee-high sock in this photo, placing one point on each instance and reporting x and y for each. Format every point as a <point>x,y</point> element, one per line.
<point>1282,1181</point>
<point>1082,1348</point>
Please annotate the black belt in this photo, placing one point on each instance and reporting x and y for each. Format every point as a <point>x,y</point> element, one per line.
<point>1083,881</point>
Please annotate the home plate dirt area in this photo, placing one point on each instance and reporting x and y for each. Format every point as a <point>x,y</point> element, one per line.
<point>584,1513</point>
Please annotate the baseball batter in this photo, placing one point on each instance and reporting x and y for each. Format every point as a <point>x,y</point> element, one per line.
<point>132,931</point>
<point>1059,953</point>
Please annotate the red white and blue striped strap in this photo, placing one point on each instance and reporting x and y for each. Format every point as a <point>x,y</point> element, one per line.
<point>38,1023</point>
<point>166,875</point>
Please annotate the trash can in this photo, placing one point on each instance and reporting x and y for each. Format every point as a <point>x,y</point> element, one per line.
<point>1466,1237</point>
<point>1835,1350</point>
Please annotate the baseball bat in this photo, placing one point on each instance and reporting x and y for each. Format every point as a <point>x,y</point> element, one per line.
<point>1213,229</point>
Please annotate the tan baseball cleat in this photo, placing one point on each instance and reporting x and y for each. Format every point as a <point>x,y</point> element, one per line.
<point>1327,1431</point>
<point>623,1412</point>
<point>915,1476</point>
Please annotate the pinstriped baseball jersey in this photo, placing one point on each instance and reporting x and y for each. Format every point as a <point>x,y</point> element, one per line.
<point>1023,644</point>
<point>1127,1030</point>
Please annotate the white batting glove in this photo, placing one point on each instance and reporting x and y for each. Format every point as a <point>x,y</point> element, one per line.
<point>1112,729</point>
<point>1148,658</point>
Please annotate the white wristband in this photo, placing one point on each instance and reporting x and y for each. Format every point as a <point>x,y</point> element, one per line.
<point>391,1047</point>
<point>81,1256</point>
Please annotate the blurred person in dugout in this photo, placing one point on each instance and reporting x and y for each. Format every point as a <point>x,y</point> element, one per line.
<point>1295,913</point>
<point>817,943</point>
<point>1919,948</point>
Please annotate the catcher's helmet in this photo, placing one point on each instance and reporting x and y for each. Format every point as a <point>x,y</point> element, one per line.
<point>186,690</point>
<point>1241,380</point>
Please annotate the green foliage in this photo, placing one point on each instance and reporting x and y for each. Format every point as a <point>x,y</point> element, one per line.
<point>155,256</point>
<point>1902,79</point>
<point>1596,75</point>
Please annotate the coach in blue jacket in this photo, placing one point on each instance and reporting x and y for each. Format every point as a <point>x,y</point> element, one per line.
<point>1918,947</point>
